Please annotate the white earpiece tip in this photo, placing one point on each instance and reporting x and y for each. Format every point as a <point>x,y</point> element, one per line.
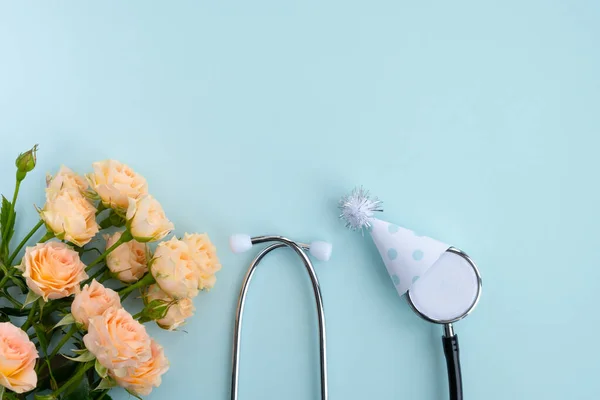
<point>320,250</point>
<point>240,243</point>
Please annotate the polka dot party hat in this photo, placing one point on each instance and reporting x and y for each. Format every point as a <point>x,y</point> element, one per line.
<point>406,255</point>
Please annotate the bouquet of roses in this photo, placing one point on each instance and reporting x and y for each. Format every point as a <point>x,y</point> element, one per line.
<point>75,340</point>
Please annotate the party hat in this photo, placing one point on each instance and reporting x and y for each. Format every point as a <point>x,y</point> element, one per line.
<point>406,255</point>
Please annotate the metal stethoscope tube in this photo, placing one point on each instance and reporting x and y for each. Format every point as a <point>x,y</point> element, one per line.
<point>299,248</point>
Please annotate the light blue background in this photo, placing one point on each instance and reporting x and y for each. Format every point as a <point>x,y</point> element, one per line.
<point>477,122</point>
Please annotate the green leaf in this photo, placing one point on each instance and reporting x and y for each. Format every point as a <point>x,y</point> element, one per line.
<point>106,383</point>
<point>41,334</point>
<point>134,394</point>
<point>62,369</point>
<point>79,391</point>
<point>31,298</point>
<point>83,357</point>
<point>102,394</point>
<point>19,282</point>
<point>41,303</point>
<point>118,216</point>
<point>5,213</point>
<point>66,320</point>
<point>4,318</point>
<point>44,397</point>
<point>7,395</point>
<point>15,312</point>
<point>101,370</point>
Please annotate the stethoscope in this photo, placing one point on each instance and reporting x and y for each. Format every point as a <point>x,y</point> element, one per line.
<point>319,250</point>
<point>446,294</point>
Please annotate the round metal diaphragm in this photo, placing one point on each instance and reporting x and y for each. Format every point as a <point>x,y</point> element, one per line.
<point>448,291</point>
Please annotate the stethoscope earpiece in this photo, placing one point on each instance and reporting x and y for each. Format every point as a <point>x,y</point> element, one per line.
<point>321,251</point>
<point>240,243</point>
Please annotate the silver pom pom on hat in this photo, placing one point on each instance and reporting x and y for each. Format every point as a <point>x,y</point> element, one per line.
<point>358,209</point>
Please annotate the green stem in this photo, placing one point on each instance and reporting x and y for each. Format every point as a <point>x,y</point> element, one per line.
<point>15,312</point>
<point>29,321</point>
<point>49,235</point>
<point>11,299</point>
<point>96,275</point>
<point>125,237</point>
<point>74,378</point>
<point>3,281</point>
<point>64,340</point>
<point>53,379</point>
<point>40,367</point>
<point>102,395</point>
<point>126,295</point>
<point>148,279</point>
<point>24,241</point>
<point>11,214</point>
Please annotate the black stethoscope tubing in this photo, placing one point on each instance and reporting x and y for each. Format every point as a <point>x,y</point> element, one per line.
<point>450,339</point>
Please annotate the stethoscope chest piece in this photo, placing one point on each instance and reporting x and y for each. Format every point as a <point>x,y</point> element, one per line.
<point>449,290</point>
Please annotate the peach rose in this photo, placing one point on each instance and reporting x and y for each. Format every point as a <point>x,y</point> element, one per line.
<point>70,216</point>
<point>17,359</point>
<point>177,312</point>
<point>129,261</point>
<point>203,252</point>
<point>146,219</point>
<point>174,270</point>
<point>92,301</point>
<point>206,281</point>
<point>117,340</point>
<point>116,183</point>
<point>204,255</point>
<point>52,270</point>
<point>142,378</point>
<point>65,178</point>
